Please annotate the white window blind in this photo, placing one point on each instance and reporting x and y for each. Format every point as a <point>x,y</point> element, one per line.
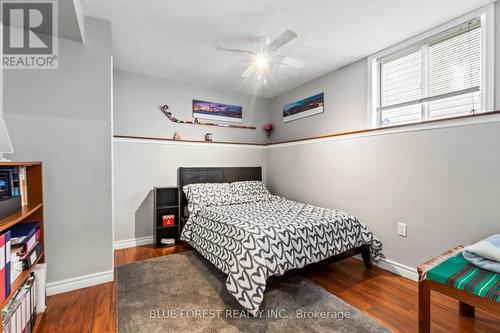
<point>438,78</point>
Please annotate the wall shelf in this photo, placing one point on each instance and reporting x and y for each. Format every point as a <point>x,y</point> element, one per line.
<point>24,213</point>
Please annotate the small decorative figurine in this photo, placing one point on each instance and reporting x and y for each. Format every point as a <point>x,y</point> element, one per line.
<point>208,137</point>
<point>268,128</point>
<point>177,136</point>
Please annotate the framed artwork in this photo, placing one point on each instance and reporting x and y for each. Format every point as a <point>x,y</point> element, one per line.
<point>303,108</point>
<point>217,111</point>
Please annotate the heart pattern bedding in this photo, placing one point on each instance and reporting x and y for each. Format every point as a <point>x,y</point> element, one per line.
<point>260,235</point>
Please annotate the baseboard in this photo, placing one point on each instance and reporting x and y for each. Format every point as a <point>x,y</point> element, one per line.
<point>79,282</point>
<point>397,268</point>
<point>133,242</point>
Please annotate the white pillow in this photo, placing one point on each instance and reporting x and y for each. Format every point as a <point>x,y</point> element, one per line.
<point>249,191</point>
<point>207,194</point>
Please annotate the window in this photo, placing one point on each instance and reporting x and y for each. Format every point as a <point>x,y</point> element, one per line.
<point>440,76</point>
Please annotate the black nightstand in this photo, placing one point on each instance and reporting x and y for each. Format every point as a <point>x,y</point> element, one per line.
<point>166,202</point>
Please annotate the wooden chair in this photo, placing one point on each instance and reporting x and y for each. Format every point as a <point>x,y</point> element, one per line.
<point>467,301</point>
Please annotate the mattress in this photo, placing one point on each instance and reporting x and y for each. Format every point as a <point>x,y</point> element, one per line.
<point>252,241</point>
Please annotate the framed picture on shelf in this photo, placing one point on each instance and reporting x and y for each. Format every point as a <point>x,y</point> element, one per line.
<point>217,111</point>
<point>304,108</point>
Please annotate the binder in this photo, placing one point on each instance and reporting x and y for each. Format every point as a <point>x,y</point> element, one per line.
<point>2,268</point>
<point>7,264</point>
<point>30,259</point>
<point>26,234</point>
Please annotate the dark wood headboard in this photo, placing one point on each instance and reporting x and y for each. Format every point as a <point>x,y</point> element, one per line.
<point>213,175</point>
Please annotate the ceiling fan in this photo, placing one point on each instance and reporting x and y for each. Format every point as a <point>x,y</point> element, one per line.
<point>266,55</point>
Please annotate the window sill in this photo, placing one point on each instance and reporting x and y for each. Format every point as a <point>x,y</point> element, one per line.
<point>487,117</point>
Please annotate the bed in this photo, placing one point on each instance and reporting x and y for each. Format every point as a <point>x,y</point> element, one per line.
<point>249,234</point>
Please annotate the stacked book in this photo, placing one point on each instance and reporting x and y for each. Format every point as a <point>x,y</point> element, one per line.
<point>20,247</point>
<point>167,241</point>
<point>25,240</point>
<point>19,315</point>
<point>14,183</point>
<point>13,190</point>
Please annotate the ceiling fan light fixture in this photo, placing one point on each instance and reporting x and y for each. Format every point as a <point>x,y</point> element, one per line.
<point>261,61</point>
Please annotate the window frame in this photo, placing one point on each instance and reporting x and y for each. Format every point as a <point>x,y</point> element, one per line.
<point>485,14</point>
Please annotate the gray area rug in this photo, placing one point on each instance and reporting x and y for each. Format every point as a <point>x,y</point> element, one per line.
<point>185,293</point>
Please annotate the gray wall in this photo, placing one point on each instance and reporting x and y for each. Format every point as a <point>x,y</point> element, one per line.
<point>136,109</point>
<point>443,183</point>
<point>345,105</point>
<point>140,166</point>
<point>497,55</point>
<point>63,118</point>
<point>345,100</point>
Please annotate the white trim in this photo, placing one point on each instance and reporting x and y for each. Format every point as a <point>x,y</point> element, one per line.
<point>133,242</point>
<point>488,57</point>
<point>112,160</point>
<point>395,267</point>
<point>399,269</point>
<point>417,127</point>
<point>371,92</point>
<point>172,142</point>
<point>79,282</point>
<point>487,16</point>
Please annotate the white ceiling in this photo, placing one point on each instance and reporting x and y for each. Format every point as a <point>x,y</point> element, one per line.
<point>176,39</point>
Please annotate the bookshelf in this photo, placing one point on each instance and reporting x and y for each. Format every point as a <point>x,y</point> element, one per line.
<point>32,212</point>
<point>165,203</point>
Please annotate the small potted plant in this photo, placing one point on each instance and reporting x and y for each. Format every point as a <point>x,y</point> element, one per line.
<point>268,128</point>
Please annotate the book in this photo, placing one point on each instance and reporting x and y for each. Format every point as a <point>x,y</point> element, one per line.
<point>16,265</point>
<point>8,268</point>
<point>14,179</point>
<point>19,314</point>
<point>2,268</point>
<point>23,180</point>
<point>167,241</point>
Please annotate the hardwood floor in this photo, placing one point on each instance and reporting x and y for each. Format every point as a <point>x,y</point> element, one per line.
<point>386,297</point>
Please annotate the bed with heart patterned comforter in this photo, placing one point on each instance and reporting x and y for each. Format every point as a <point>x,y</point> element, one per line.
<point>262,235</point>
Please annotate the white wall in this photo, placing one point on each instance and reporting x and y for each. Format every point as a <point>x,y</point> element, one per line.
<point>137,99</point>
<point>63,118</point>
<point>142,165</point>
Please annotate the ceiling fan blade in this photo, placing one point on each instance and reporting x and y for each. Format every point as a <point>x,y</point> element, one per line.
<point>282,39</point>
<point>247,72</point>
<point>230,49</point>
<point>292,62</point>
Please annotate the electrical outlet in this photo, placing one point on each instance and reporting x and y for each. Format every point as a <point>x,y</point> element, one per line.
<point>402,229</point>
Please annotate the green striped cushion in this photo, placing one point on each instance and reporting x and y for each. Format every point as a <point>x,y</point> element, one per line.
<point>460,274</point>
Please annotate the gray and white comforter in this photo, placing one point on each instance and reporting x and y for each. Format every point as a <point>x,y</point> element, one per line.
<point>269,235</point>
